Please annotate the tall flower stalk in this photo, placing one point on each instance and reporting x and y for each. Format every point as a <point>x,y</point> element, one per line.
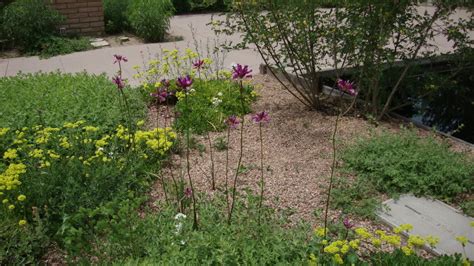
<point>260,118</point>
<point>213,178</point>
<point>349,88</point>
<point>120,83</point>
<point>185,83</point>
<point>239,73</point>
<point>232,122</point>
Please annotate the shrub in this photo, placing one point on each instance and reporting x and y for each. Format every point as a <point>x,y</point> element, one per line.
<point>159,239</point>
<point>150,19</point>
<point>52,46</point>
<point>209,104</point>
<point>26,22</point>
<point>63,171</point>
<point>54,98</point>
<point>401,163</point>
<point>182,6</point>
<point>115,15</point>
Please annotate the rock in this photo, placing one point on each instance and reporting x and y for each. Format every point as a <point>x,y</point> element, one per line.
<point>100,44</point>
<point>123,39</point>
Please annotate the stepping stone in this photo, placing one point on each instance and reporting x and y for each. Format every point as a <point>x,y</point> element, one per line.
<point>431,217</point>
<point>100,44</point>
<point>123,39</point>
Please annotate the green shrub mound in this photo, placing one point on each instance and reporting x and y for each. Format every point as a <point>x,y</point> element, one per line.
<point>115,15</point>
<point>26,22</point>
<point>404,162</point>
<point>212,102</point>
<point>54,98</point>
<point>150,19</point>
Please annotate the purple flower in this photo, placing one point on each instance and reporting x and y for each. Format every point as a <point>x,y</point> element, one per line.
<point>347,86</point>
<point>188,192</point>
<point>347,223</point>
<point>120,58</point>
<point>232,121</point>
<point>240,72</point>
<point>198,64</point>
<point>117,80</point>
<point>261,117</point>
<point>184,82</point>
<point>160,95</point>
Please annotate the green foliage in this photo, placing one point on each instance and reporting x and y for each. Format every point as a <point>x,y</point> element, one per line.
<point>159,239</point>
<point>220,144</point>
<point>54,98</point>
<point>115,15</point>
<point>210,104</point>
<point>21,245</point>
<point>150,19</point>
<point>52,46</point>
<point>26,22</point>
<point>398,258</point>
<point>403,162</point>
<point>358,198</point>
<point>186,6</point>
<point>468,207</point>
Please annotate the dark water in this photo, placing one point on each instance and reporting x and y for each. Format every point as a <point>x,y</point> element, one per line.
<point>449,108</point>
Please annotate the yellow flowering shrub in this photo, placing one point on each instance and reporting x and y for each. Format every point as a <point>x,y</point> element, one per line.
<point>353,245</point>
<point>73,165</point>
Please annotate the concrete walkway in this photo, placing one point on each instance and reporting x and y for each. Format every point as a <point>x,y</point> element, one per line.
<point>101,60</point>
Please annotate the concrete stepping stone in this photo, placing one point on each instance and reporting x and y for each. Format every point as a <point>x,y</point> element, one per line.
<point>431,217</point>
<point>99,44</point>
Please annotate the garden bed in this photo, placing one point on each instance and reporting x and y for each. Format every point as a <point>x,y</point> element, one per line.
<point>297,151</point>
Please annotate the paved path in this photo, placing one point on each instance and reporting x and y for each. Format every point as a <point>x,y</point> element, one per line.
<point>101,60</point>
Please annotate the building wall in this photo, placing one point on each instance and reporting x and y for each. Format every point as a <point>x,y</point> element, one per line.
<point>85,17</point>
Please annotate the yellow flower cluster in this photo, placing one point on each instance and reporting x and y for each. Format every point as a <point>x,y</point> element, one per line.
<point>340,248</point>
<point>25,152</point>
<point>159,140</point>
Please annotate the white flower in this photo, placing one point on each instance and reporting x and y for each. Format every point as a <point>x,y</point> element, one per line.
<point>219,94</point>
<point>182,242</point>
<point>178,227</point>
<point>180,216</point>
<point>192,90</point>
<point>216,101</point>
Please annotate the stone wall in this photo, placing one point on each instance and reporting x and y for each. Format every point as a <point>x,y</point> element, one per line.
<point>85,17</point>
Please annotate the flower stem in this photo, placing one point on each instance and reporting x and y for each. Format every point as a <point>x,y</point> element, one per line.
<point>188,168</point>
<point>234,187</point>
<point>262,184</point>
<point>213,180</point>
<point>227,169</point>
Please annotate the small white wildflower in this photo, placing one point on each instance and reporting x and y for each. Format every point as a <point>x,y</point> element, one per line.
<point>216,101</point>
<point>182,242</point>
<point>192,90</point>
<point>178,227</point>
<point>180,216</point>
<point>219,94</point>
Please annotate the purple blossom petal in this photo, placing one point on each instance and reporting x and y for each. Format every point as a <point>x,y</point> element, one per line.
<point>241,72</point>
<point>232,121</point>
<point>261,117</point>
<point>184,82</point>
<point>117,80</point>
<point>120,58</point>
<point>347,87</point>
